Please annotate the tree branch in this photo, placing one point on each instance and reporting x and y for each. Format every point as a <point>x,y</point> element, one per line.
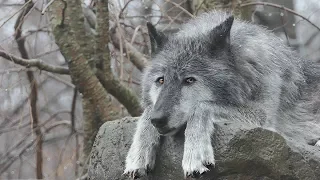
<point>104,73</point>
<point>24,5</point>
<point>73,127</point>
<point>280,7</point>
<point>124,95</point>
<point>136,57</point>
<point>33,86</point>
<point>38,63</point>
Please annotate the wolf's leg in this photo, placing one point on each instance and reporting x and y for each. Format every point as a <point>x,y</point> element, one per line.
<point>272,103</point>
<point>142,153</point>
<point>198,151</point>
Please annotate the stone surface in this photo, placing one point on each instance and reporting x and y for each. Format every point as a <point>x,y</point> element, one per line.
<point>240,152</point>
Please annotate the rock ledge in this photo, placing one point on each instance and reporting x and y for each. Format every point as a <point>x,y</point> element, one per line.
<point>240,154</point>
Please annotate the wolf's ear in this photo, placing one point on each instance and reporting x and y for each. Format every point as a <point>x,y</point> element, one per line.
<point>157,39</point>
<point>221,34</point>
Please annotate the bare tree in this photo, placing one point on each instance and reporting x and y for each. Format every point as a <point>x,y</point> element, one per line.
<point>104,50</point>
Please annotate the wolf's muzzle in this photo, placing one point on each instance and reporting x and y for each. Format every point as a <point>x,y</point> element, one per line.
<point>159,119</point>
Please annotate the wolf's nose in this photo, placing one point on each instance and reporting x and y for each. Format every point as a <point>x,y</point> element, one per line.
<point>159,120</point>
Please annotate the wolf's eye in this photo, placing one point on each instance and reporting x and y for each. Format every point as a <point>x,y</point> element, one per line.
<point>160,80</point>
<point>189,80</point>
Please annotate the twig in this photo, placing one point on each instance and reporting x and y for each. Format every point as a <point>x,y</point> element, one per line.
<point>284,28</point>
<point>311,38</point>
<point>148,16</point>
<point>14,128</point>
<point>24,5</point>
<point>62,151</point>
<point>189,6</point>
<point>72,117</point>
<point>6,163</point>
<point>55,77</point>
<point>25,100</point>
<point>121,40</point>
<point>132,81</point>
<point>56,124</point>
<point>179,6</point>
<point>46,53</point>
<point>34,63</point>
<point>12,70</point>
<point>45,8</point>
<point>76,171</point>
<point>280,7</point>
<point>63,12</point>
<point>31,6</point>
<point>135,34</point>
<point>19,127</point>
<point>131,42</point>
<point>12,5</point>
<point>4,166</point>
<point>73,109</point>
<point>29,33</point>
<point>12,149</point>
<point>124,7</point>
<point>170,23</point>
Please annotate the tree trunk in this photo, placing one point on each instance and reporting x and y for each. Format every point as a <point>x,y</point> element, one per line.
<point>78,49</point>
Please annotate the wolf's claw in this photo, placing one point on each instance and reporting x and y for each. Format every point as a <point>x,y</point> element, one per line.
<point>135,174</point>
<point>198,173</point>
<point>195,174</point>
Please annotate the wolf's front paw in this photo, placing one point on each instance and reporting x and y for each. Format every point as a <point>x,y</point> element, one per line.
<point>197,161</point>
<point>139,164</point>
<point>314,142</point>
<point>135,173</point>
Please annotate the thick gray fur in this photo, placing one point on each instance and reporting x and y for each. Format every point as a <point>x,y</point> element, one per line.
<point>247,76</point>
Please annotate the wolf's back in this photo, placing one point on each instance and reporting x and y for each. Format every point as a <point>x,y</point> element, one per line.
<point>248,40</point>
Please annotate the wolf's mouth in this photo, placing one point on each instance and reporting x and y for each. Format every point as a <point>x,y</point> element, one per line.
<point>167,131</point>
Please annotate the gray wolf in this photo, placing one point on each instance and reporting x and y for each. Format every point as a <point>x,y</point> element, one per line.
<point>220,69</point>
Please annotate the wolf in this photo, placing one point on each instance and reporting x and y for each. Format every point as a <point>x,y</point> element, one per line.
<point>218,68</point>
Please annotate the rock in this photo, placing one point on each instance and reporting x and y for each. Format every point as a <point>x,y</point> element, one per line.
<point>240,153</point>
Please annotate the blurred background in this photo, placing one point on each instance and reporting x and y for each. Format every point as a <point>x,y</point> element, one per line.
<point>67,66</point>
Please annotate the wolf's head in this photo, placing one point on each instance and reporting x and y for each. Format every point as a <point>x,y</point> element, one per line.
<point>188,70</point>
